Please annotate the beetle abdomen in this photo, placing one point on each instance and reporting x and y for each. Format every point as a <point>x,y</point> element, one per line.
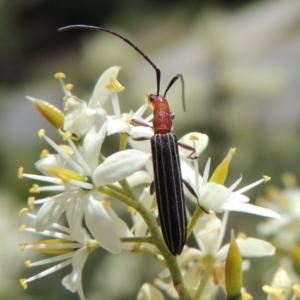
<point>169,190</point>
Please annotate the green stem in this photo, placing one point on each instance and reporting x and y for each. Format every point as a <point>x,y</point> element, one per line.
<point>197,214</point>
<point>147,239</point>
<point>157,238</point>
<point>127,189</point>
<point>209,262</point>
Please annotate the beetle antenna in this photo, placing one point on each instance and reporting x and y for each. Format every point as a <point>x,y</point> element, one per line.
<point>182,88</point>
<point>125,40</point>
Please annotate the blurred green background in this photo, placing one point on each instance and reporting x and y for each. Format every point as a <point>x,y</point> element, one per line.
<point>240,60</point>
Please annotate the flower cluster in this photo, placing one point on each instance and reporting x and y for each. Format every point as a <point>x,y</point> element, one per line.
<point>84,185</point>
<point>284,234</point>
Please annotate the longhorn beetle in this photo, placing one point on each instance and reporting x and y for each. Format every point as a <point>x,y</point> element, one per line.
<point>166,164</point>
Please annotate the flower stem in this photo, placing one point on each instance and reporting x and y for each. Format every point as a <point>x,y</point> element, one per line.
<point>157,238</point>
<point>209,262</point>
<point>197,214</point>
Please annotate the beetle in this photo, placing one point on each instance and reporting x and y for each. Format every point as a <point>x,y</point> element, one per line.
<point>168,182</point>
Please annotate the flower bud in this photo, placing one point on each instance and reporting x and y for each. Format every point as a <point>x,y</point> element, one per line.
<point>233,271</point>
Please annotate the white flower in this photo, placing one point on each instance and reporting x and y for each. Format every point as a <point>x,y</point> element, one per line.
<point>209,233</point>
<point>149,292</point>
<point>69,249</point>
<point>284,232</point>
<point>78,176</point>
<point>281,286</point>
<point>214,196</point>
<point>80,116</point>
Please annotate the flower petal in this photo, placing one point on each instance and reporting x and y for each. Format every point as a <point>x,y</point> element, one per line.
<point>120,226</point>
<point>250,209</point>
<point>249,247</point>
<point>51,211</point>
<point>93,141</point>
<point>149,292</point>
<point>119,166</point>
<point>101,226</point>
<point>213,195</point>
<point>115,125</point>
<point>101,93</point>
<point>78,117</point>
<point>72,281</point>
<point>194,139</point>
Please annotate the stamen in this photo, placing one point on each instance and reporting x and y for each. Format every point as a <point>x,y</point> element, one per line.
<point>248,187</point>
<point>69,86</point>
<point>27,263</point>
<point>20,172</point>
<point>22,246</point>
<point>22,228</point>
<point>30,202</point>
<point>68,159</point>
<point>59,75</point>
<point>23,212</point>
<point>131,209</point>
<point>106,203</point>
<point>23,283</point>
<point>67,135</point>
<point>115,85</point>
<point>44,153</point>
<point>296,289</point>
<point>34,189</point>
<point>91,245</point>
<point>277,292</point>
<point>46,272</point>
<point>41,133</point>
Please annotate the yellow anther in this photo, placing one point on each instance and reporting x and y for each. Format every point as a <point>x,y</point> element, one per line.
<point>128,117</point>
<point>289,179</point>
<point>276,292</point>
<point>69,86</point>
<point>247,296</point>
<point>23,283</point>
<point>27,263</point>
<point>266,178</point>
<point>67,149</point>
<point>44,153</point>
<point>22,228</point>
<point>296,289</point>
<point>20,173</point>
<point>35,188</point>
<point>59,75</point>
<point>131,209</point>
<point>241,235</point>
<point>67,135</point>
<point>41,133</point>
<point>92,245</point>
<point>295,253</point>
<point>158,282</point>
<point>23,246</point>
<point>193,137</point>
<point>106,203</point>
<point>30,202</point>
<point>115,85</point>
<point>23,211</point>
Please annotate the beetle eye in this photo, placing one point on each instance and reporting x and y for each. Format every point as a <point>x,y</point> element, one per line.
<point>152,97</point>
